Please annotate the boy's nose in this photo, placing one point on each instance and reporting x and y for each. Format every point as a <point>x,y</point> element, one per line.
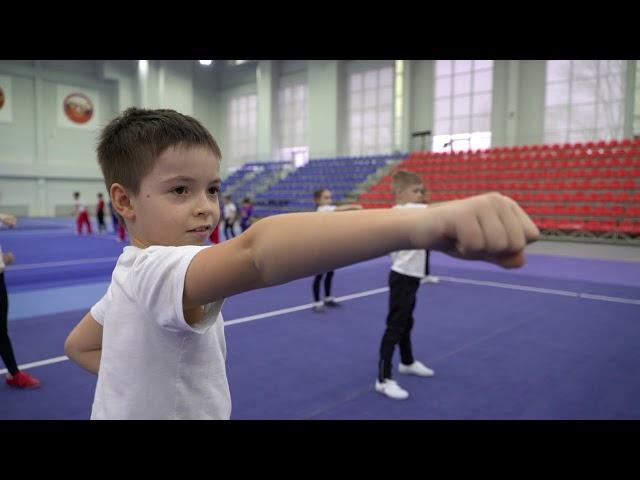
<point>204,206</point>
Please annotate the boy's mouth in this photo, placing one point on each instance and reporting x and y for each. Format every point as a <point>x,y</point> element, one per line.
<point>202,228</point>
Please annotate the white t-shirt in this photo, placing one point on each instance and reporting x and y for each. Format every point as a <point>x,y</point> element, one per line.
<point>80,207</point>
<point>326,208</point>
<point>410,262</point>
<point>154,365</point>
<point>229,211</point>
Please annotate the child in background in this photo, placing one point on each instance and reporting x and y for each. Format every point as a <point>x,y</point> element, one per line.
<point>100,214</point>
<point>121,232</point>
<point>246,212</point>
<point>409,267</point>
<point>114,217</point>
<point>118,226</point>
<point>229,215</point>
<point>82,214</point>
<point>324,200</point>
<point>15,378</point>
<point>215,235</point>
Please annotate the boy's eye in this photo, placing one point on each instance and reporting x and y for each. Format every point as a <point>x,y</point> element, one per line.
<point>213,190</point>
<point>180,190</point>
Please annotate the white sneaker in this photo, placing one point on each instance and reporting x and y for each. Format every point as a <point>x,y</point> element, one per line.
<point>391,389</point>
<point>416,368</point>
<point>431,279</point>
<point>318,307</point>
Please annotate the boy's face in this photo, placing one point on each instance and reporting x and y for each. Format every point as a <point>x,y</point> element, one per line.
<point>414,193</point>
<point>178,200</point>
<point>325,198</point>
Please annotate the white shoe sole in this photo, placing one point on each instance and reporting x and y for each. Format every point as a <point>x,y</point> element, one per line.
<point>417,374</point>
<point>381,391</point>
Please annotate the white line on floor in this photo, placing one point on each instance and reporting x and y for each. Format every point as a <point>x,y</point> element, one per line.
<point>546,291</point>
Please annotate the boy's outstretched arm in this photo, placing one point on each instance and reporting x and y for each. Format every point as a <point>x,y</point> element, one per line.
<point>282,248</point>
<point>84,344</point>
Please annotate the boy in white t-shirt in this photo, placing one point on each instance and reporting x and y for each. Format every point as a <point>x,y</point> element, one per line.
<point>324,203</point>
<point>409,267</point>
<point>156,339</point>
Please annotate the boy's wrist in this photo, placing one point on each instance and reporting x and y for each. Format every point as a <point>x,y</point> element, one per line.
<point>428,230</point>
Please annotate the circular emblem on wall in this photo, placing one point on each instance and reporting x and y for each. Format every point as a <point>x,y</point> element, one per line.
<point>1,98</point>
<point>78,107</point>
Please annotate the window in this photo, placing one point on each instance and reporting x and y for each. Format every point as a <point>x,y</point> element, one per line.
<point>462,113</point>
<point>370,112</point>
<point>243,123</point>
<point>398,103</point>
<point>292,124</point>
<point>584,100</point>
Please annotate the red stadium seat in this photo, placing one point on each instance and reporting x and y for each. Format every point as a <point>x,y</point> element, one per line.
<point>571,225</point>
<point>622,197</point>
<point>586,210</point>
<point>606,197</point>
<point>546,210</point>
<point>617,211</point>
<point>632,212</point>
<point>629,227</point>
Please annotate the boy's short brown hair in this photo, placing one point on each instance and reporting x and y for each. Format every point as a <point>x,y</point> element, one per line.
<point>403,179</point>
<point>130,144</point>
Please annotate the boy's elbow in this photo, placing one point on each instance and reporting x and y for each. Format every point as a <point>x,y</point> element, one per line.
<point>70,347</point>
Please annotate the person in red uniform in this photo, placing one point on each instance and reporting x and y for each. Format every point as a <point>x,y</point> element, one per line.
<point>82,215</point>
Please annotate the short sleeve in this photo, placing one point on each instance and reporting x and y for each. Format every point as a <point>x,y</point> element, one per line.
<point>99,310</point>
<point>157,282</point>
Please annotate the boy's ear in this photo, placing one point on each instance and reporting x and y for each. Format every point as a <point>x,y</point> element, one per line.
<point>121,201</point>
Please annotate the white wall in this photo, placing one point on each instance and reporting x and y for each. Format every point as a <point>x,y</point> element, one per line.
<point>41,163</point>
<point>246,85</point>
<point>18,139</point>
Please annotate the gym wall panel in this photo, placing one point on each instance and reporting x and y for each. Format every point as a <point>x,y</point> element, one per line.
<point>18,138</point>
<point>69,146</point>
<point>17,194</point>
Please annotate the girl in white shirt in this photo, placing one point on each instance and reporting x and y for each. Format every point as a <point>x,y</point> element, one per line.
<point>324,203</point>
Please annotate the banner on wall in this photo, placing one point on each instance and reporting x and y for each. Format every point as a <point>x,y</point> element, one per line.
<point>77,107</point>
<point>6,97</point>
